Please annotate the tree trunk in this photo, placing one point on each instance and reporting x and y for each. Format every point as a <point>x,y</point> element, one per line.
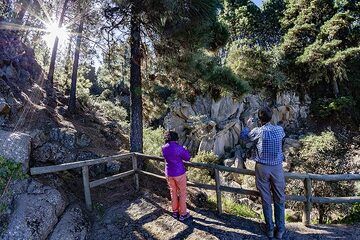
<point>50,87</point>
<point>136,117</point>
<point>67,66</point>
<point>72,99</point>
<point>335,87</point>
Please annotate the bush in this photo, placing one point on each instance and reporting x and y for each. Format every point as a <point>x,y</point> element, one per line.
<point>233,208</point>
<point>326,151</point>
<point>334,107</point>
<point>203,175</point>
<point>153,141</point>
<point>353,216</point>
<point>109,110</point>
<point>9,171</point>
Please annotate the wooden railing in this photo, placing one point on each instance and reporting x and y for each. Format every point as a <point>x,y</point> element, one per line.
<point>307,179</point>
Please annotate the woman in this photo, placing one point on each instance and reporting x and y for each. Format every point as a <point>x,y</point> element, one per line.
<point>175,172</point>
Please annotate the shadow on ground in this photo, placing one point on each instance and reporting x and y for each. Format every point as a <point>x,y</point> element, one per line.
<point>147,217</point>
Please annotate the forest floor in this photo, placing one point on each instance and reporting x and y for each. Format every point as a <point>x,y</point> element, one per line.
<point>147,216</point>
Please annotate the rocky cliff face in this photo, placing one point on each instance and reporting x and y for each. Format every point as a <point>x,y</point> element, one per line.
<point>215,125</point>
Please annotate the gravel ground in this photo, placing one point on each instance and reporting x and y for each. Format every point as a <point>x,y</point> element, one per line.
<point>147,217</point>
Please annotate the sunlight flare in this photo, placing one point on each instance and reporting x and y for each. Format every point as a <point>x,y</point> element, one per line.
<point>54,31</point>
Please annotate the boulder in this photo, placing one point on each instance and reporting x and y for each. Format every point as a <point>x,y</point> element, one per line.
<point>16,147</point>
<point>35,212</point>
<point>224,108</point>
<point>66,136</point>
<point>227,138</point>
<point>183,109</point>
<point>202,105</point>
<point>54,153</point>
<point>73,225</point>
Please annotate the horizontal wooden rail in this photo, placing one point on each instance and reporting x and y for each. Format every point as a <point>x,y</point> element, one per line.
<point>335,199</point>
<point>334,177</point>
<point>191,184</point>
<point>307,179</point>
<point>225,188</point>
<point>111,178</point>
<point>288,175</point>
<point>72,165</point>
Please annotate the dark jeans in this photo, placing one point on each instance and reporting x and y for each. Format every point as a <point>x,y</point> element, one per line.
<point>270,182</point>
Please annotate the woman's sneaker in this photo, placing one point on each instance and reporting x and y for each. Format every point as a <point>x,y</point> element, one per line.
<point>175,215</point>
<point>184,217</point>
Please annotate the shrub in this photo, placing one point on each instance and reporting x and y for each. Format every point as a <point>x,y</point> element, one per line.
<point>334,107</point>
<point>9,171</point>
<point>203,175</point>
<point>233,208</point>
<point>109,110</point>
<point>353,216</point>
<point>153,140</point>
<point>326,151</point>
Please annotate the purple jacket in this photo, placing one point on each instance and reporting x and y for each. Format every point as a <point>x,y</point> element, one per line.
<point>174,155</point>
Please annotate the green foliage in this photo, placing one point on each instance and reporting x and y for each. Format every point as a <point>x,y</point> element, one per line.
<point>194,73</point>
<point>255,65</point>
<point>326,151</point>
<point>203,175</point>
<point>322,36</point>
<point>354,215</point>
<point>153,140</point>
<point>243,19</point>
<point>314,146</point>
<point>9,171</point>
<point>338,108</point>
<point>110,109</point>
<point>233,208</point>
<point>247,21</point>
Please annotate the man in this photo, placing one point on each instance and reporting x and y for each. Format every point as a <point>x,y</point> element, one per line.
<point>268,170</point>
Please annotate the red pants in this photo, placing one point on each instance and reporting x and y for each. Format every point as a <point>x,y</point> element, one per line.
<point>177,187</point>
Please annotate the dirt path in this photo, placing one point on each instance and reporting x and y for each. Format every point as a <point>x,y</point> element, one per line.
<point>147,217</point>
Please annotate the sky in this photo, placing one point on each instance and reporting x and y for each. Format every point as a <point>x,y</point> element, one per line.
<point>257,2</point>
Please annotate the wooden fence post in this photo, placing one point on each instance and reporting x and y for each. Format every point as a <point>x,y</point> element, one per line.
<point>136,175</point>
<point>85,173</point>
<point>306,219</point>
<point>218,191</point>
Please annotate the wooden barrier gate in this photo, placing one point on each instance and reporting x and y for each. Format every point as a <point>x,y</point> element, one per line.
<point>307,179</point>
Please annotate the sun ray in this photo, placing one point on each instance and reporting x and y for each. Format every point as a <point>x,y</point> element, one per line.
<point>18,27</point>
<point>42,5</point>
<point>54,32</point>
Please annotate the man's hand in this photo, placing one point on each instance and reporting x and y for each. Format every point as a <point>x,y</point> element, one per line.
<point>250,123</point>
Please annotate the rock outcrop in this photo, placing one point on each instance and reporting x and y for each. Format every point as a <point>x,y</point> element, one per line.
<point>73,225</point>
<point>36,209</point>
<point>16,146</point>
<point>215,125</point>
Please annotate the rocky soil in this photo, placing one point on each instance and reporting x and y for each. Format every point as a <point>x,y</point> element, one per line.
<point>148,217</point>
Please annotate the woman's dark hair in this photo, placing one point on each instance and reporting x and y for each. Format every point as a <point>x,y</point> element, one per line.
<point>265,114</point>
<point>171,136</point>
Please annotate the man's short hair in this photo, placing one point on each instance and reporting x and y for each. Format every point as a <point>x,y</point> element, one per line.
<point>171,136</point>
<point>265,114</point>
